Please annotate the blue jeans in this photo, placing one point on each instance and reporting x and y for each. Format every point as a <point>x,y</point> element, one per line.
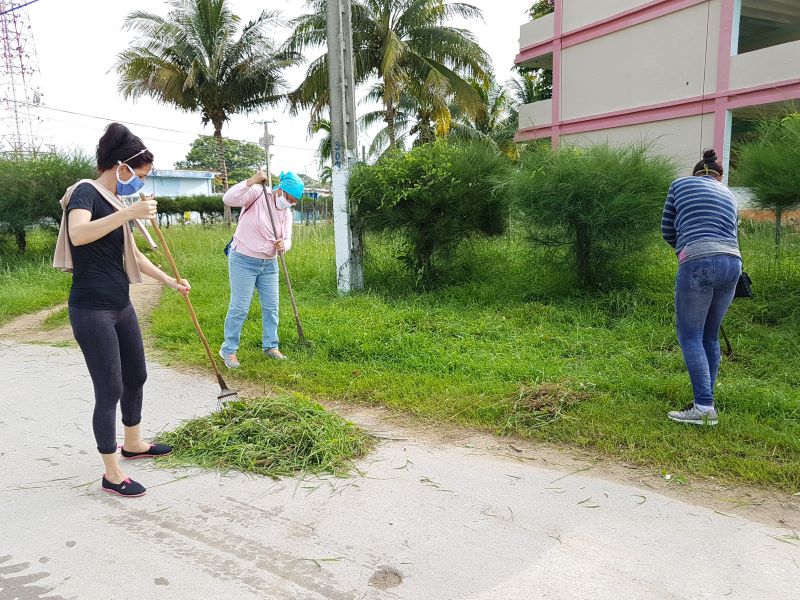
<point>704,291</point>
<point>247,274</point>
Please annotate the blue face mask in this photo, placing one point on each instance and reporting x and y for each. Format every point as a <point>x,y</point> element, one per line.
<point>129,187</point>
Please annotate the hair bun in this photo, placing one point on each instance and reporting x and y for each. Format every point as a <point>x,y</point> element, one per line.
<point>710,156</point>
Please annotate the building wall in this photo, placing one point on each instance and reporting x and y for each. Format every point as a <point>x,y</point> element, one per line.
<point>777,63</point>
<point>681,139</point>
<point>168,186</point>
<point>536,31</point>
<point>536,114</point>
<point>579,13</point>
<point>642,65</point>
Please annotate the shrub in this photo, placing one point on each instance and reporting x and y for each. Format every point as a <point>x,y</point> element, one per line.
<point>206,206</point>
<point>31,186</point>
<point>434,196</point>
<point>602,202</point>
<point>770,166</point>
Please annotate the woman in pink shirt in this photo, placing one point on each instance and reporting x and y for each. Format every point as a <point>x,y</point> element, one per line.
<point>252,260</point>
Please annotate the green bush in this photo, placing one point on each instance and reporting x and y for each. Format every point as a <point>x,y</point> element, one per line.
<point>770,166</point>
<point>208,207</point>
<point>601,202</point>
<point>434,196</point>
<point>31,186</point>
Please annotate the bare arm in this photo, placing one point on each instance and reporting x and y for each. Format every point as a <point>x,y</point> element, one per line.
<point>82,230</point>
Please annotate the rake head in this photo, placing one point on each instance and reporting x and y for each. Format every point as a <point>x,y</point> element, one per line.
<point>225,393</point>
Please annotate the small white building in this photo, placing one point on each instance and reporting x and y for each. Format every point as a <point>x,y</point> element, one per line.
<point>173,182</point>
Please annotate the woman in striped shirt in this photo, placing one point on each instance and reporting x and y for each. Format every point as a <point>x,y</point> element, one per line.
<point>700,222</point>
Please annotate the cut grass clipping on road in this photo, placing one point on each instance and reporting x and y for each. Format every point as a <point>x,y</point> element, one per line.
<point>276,437</point>
<point>508,346</point>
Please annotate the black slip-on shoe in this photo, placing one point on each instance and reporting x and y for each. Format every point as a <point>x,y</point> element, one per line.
<point>127,488</point>
<point>153,451</point>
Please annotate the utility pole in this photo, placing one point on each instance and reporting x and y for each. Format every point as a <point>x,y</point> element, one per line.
<point>349,271</point>
<point>266,142</point>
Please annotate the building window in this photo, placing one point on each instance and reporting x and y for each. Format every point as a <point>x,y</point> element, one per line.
<point>766,23</point>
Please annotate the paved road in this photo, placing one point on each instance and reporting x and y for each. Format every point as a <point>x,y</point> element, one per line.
<point>424,521</point>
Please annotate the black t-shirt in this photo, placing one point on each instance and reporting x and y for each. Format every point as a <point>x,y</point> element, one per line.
<point>99,280</point>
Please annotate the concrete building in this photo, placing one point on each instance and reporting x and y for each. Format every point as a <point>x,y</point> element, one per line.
<point>681,74</point>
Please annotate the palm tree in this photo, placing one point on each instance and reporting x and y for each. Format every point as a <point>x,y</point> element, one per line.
<point>494,124</point>
<point>531,85</point>
<point>199,59</point>
<point>325,148</point>
<point>422,111</point>
<point>400,42</point>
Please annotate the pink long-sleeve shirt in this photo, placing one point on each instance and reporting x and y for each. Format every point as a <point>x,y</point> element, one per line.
<point>254,236</point>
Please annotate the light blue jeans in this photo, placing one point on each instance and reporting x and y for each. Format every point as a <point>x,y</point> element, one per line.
<point>247,274</point>
<point>704,289</point>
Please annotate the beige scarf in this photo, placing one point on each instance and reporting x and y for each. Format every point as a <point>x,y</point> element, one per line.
<point>62,258</point>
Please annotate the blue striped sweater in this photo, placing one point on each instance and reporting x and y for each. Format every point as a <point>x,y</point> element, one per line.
<point>700,218</point>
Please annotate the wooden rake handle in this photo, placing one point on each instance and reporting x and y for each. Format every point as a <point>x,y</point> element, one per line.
<point>192,314</point>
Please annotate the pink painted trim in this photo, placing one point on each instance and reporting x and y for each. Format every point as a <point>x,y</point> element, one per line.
<point>558,17</point>
<point>624,20</point>
<point>711,103</point>
<point>556,99</point>
<point>536,51</point>
<point>723,70</point>
<point>764,94</point>
<point>725,45</point>
<point>618,22</point>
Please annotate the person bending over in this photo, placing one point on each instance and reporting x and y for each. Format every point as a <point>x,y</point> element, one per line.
<point>700,223</point>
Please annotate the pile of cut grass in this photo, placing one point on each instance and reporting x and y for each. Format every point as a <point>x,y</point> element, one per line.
<point>276,437</point>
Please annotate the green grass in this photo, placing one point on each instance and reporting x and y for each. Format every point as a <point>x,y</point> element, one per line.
<point>507,347</point>
<point>59,318</point>
<point>271,436</point>
<point>28,282</point>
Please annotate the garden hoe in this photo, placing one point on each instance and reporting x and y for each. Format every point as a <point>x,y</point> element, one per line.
<point>300,335</point>
<point>225,393</point>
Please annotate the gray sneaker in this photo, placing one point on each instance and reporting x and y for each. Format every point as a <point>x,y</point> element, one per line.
<point>694,416</point>
<point>275,353</point>
<point>230,360</point>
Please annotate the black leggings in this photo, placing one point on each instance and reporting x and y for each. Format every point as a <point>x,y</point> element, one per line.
<point>112,347</point>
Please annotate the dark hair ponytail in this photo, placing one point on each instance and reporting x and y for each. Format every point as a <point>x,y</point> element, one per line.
<point>710,165</point>
<point>119,144</point>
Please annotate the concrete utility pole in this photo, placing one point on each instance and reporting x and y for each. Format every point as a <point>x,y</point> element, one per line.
<point>350,275</point>
<point>266,142</point>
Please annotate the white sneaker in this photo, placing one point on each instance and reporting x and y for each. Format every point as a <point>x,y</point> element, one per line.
<point>230,360</point>
<point>694,416</point>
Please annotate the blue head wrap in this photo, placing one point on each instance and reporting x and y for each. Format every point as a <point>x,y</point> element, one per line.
<point>291,184</point>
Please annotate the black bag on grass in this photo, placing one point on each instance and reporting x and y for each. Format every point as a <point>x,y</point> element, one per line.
<point>744,287</point>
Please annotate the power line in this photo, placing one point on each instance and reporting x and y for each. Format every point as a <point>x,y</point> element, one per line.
<point>109,119</point>
<point>13,8</point>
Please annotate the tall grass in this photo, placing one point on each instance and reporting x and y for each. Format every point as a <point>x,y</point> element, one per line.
<point>507,346</point>
<point>28,282</point>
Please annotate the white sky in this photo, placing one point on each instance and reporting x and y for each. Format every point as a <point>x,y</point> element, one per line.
<point>77,42</point>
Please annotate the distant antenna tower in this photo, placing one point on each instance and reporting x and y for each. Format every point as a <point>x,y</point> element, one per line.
<point>19,75</point>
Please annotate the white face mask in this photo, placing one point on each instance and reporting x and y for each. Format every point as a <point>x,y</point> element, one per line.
<point>282,203</point>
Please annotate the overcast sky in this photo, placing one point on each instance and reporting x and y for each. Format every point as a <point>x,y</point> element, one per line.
<point>77,42</point>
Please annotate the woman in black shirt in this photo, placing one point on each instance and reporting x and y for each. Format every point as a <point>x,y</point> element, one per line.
<point>105,261</point>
